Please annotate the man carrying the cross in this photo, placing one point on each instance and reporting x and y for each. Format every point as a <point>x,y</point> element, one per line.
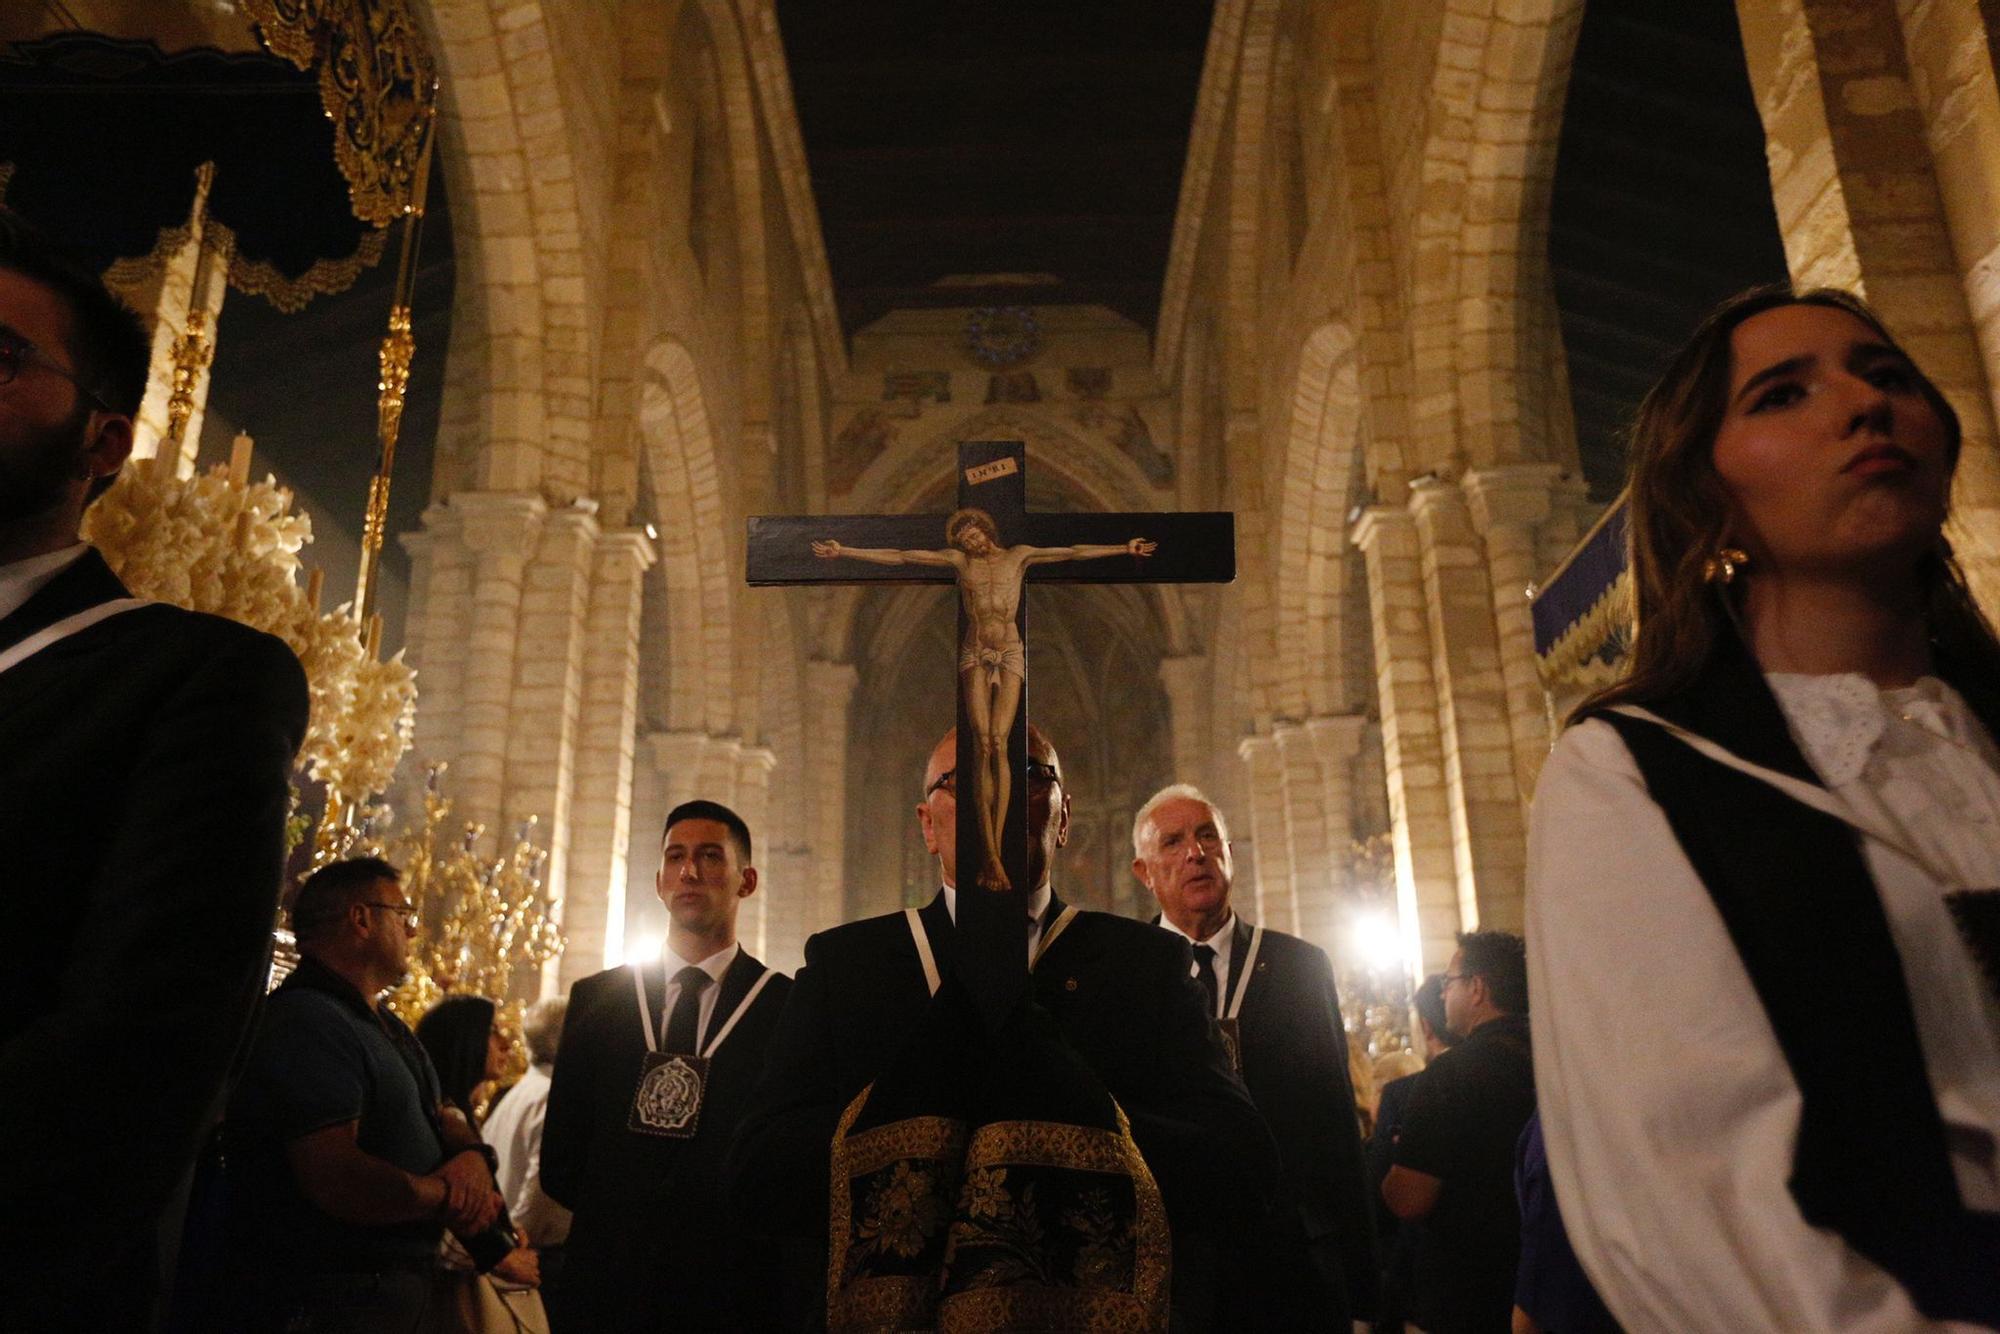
<point>992,661</point>
<point>1114,996</point>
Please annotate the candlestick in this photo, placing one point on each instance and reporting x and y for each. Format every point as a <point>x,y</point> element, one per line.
<point>239,460</point>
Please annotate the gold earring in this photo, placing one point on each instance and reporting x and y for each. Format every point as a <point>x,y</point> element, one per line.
<point>1723,565</point>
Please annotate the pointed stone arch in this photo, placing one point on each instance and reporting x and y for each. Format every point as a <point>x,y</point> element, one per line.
<point>1488,375</point>
<point>679,440</point>
<point>1320,472</point>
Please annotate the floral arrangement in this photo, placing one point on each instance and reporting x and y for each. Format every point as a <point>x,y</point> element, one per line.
<point>217,542</point>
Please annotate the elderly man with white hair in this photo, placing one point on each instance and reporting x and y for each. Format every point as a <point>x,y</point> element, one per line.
<point>1274,997</point>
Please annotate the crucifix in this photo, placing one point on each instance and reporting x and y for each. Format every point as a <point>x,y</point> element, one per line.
<point>990,547</point>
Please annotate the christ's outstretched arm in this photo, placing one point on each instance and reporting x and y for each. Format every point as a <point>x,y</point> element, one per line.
<point>883,555</point>
<point>1138,546</point>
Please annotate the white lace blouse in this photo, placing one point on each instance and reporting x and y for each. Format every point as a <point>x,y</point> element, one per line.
<point>1669,1112</point>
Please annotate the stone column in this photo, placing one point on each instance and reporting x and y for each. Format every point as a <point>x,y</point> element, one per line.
<point>500,533</point>
<point>1861,202</point>
<point>1336,740</point>
<point>1185,680</point>
<point>1509,506</point>
<point>753,802</point>
<point>1420,816</point>
<point>1313,867</point>
<point>1488,834</point>
<point>829,697</point>
<point>1264,781</point>
<point>548,685</point>
<point>594,906</point>
<point>436,632</point>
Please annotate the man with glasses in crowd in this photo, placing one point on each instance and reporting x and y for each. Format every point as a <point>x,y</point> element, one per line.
<point>345,1165</point>
<point>143,797</point>
<point>1454,1161</point>
<point>1120,994</point>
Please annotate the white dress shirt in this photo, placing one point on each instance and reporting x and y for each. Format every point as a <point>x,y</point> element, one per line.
<point>515,1132</point>
<point>1670,1113</point>
<point>715,965</point>
<point>1221,942</point>
<point>22,579</point>
<point>1038,907</point>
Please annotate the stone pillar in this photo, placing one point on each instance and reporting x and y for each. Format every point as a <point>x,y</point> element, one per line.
<point>500,533</point>
<point>1270,840</point>
<point>829,697</point>
<point>1420,817</point>
<point>548,686</point>
<point>1489,837</point>
<point>1185,680</point>
<point>753,803</point>
<point>1860,203</point>
<point>1336,741</point>
<point>1313,864</point>
<point>1509,506</point>
<point>436,632</point>
<point>594,905</point>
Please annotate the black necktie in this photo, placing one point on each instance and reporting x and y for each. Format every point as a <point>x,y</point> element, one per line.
<point>687,1009</point>
<point>1204,966</point>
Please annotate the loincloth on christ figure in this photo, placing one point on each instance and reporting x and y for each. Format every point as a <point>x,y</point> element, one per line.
<point>1011,659</point>
<point>991,1183</point>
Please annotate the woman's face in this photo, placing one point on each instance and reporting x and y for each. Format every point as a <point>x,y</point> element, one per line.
<point>496,1052</point>
<point>1835,460</point>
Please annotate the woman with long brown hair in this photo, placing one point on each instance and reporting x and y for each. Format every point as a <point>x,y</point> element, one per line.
<point>1767,1058</point>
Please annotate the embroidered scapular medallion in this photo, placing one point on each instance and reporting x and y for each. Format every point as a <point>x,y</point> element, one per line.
<point>668,1100</point>
<point>1232,1042</point>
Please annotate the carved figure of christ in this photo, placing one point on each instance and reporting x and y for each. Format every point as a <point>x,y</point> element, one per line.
<point>992,661</point>
<point>988,565</point>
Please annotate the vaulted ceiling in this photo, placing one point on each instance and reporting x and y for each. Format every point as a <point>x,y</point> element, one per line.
<point>951,139</point>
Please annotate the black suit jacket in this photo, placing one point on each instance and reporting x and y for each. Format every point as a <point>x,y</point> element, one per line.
<point>650,1249</point>
<point>144,768</point>
<point>1119,993</point>
<point>1295,1062</point>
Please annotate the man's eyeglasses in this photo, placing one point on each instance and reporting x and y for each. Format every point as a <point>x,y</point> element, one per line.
<point>1040,777</point>
<point>406,911</point>
<point>1446,979</point>
<point>16,352</point>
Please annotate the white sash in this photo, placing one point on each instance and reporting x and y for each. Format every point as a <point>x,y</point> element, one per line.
<point>67,626</point>
<point>929,960</point>
<point>715,1040</point>
<point>1809,794</point>
<point>1249,962</point>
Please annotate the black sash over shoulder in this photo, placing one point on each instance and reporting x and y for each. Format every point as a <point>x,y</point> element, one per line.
<point>1796,896</point>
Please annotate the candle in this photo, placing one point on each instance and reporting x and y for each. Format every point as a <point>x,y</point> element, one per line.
<point>374,634</point>
<point>239,460</point>
<point>315,582</point>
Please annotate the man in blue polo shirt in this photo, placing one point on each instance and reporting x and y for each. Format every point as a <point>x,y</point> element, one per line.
<point>343,1165</point>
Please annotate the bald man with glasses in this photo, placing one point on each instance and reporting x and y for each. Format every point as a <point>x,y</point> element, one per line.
<point>1120,994</point>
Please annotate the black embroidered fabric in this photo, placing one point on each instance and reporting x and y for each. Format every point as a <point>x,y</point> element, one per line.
<point>991,1183</point>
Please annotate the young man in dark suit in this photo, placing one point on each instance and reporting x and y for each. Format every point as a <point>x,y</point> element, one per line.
<point>1116,992</point>
<point>653,1081</point>
<point>145,754</point>
<point>1316,1268</point>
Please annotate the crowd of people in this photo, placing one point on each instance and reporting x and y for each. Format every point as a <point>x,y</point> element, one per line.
<point>1758,1087</point>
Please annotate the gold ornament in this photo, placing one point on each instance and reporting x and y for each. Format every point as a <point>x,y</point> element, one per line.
<point>484,921</point>
<point>1723,565</point>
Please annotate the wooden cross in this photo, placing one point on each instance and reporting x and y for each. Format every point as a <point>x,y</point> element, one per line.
<point>988,548</point>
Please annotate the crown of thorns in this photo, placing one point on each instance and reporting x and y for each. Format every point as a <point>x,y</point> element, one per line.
<point>970,518</point>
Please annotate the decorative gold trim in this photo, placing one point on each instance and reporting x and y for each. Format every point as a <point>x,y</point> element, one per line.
<point>378,84</point>
<point>326,277</point>
<point>1574,658</point>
